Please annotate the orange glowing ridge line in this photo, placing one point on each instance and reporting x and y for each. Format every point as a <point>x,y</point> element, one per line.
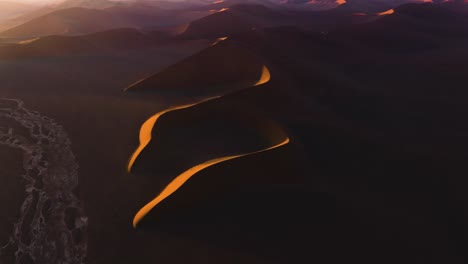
<point>145,139</point>
<point>185,176</point>
<point>388,12</point>
<point>219,40</point>
<point>265,77</point>
<point>28,41</point>
<point>147,128</point>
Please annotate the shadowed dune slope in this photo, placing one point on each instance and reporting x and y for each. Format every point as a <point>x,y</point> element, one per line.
<point>221,164</point>
<point>188,141</point>
<point>150,15</point>
<point>380,126</point>
<point>95,4</point>
<point>216,25</point>
<point>236,19</point>
<point>368,123</point>
<point>212,129</point>
<point>138,14</point>
<point>101,42</point>
<point>218,69</point>
<point>47,46</point>
<point>371,6</point>
<point>412,28</point>
<point>255,194</point>
<point>127,38</point>
<point>245,17</point>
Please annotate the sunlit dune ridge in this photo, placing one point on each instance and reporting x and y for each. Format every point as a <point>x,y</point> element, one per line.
<point>220,10</point>
<point>185,176</point>
<point>147,127</point>
<point>265,77</point>
<point>341,2</point>
<point>219,40</point>
<point>146,136</point>
<point>388,12</point>
<point>28,41</point>
<point>359,14</point>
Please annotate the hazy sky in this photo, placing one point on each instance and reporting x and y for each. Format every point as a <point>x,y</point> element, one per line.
<point>34,1</point>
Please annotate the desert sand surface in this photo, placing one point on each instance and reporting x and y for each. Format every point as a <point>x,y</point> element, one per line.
<point>329,137</point>
<point>244,69</point>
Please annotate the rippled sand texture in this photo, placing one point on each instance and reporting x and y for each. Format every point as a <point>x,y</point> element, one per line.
<point>51,224</point>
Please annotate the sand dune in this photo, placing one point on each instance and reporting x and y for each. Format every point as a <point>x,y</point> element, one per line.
<point>70,21</point>
<point>47,46</point>
<point>183,178</point>
<point>374,113</point>
<point>244,17</point>
<point>223,129</point>
<point>232,20</point>
<point>416,26</point>
<point>101,42</point>
<point>192,126</point>
<point>47,9</point>
<point>152,16</point>
<point>229,66</point>
<point>219,24</point>
<point>340,116</point>
<point>75,18</point>
<point>357,91</point>
<point>94,4</point>
<point>146,130</point>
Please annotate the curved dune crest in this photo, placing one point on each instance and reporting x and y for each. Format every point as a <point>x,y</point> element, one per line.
<point>265,77</point>
<point>96,43</point>
<point>208,72</point>
<point>147,128</point>
<point>184,177</point>
<point>181,179</point>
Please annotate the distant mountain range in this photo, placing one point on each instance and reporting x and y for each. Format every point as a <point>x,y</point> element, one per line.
<point>199,19</point>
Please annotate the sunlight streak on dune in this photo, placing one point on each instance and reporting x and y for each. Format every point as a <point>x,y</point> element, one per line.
<point>359,14</point>
<point>185,176</point>
<point>341,2</point>
<point>265,77</point>
<point>147,128</point>
<point>28,41</point>
<point>219,40</point>
<point>388,12</point>
<point>220,10</point>
<point>146,136</point>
